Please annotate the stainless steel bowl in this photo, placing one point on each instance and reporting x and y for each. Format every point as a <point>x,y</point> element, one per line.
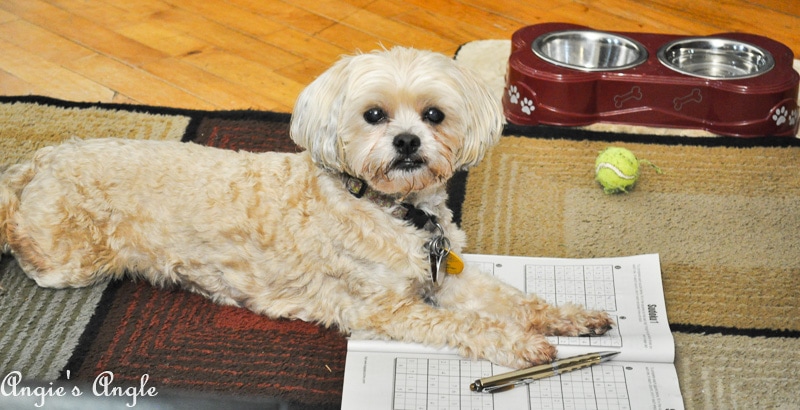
<point>715,58</point>
<point>589,50</point>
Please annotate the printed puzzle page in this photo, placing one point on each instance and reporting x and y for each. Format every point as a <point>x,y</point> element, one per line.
<point>394,375</point>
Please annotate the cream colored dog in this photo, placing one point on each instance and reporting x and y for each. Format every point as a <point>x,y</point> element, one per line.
<point>341,234</point>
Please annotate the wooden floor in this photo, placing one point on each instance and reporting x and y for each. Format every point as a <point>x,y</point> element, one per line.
<point>235,54</point>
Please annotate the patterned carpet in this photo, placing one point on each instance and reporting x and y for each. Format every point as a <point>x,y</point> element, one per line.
<point>723,216</point>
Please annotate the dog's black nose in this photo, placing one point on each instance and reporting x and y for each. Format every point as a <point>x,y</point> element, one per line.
<point>406,144</point>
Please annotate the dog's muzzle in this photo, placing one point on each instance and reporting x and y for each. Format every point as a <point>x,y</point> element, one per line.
<point>407,148</point>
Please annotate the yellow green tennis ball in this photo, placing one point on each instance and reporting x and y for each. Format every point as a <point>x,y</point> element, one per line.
<point>616,169</point>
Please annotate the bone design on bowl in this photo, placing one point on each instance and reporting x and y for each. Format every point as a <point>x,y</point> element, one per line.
<point>588,50</point>
<point>715,58</point>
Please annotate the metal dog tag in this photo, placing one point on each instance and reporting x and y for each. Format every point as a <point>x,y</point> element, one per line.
<point>438,261</point>
<point>438,250</point>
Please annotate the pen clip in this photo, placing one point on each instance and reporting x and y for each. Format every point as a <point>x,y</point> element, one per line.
<point>499,388</point>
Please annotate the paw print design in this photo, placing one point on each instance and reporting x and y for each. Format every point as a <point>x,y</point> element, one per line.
<point>780,116</point>
<point>513,94</point>
<point>527,106</point>
<point>793,118</point>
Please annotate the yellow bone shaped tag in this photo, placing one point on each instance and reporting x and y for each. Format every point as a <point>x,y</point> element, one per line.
<point>454,265</point>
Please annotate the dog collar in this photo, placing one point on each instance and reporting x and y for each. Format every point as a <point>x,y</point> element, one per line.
<point>403,210</point>
<point>438,247</point>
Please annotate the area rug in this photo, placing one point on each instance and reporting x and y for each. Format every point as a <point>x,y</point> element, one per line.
<point>40,328</point>
<point>722,215</point>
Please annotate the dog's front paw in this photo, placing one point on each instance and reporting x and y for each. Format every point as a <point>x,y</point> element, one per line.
<point>532,350</point>
<point>573,320</point>
<point>514,349</point>
<point>597,323</point>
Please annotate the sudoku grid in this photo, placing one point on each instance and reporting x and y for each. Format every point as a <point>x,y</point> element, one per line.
<point>422,384</point>
<point>591,286</point>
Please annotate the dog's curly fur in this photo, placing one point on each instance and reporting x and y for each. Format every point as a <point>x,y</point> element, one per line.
<point>279,233</point>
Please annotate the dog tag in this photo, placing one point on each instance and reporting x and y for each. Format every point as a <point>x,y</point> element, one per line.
<point>438,250</point>
<point>438,261</point>
<point>455,264</point>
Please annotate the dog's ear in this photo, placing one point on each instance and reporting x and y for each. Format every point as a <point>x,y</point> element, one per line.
<point>317,115</point>
<point>484,113</point>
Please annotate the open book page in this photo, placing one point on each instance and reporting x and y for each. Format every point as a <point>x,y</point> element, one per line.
<point>382,374</point>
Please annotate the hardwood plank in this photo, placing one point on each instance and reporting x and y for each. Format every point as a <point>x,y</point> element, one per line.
<point>156,35</point>
<point>109,15</point>
<point>334,10</point>
<point>629,16</point>
<point>305,71</point>
<point>789,7</point>
<point>235,18</point>
<point>296,31</point>
<point>247,73</point>
<point>389,8</point>
<point>13,85</point>
<point>398,33</point>
<point>42,42</point>
<point>220,93</point>
<point>134,83</point>
<point>349,38</point>
<point>6,17</point>
<point>382,30</point>
<point>136,10</point>
<point>225,38</point>
<point>737,16</point>
<point>458,30</point>
<point>45,75</point>
<point>461,18</point>
<point>523,11</point>
<point>81,31</point>
<point>579,12</point>
<point>123,99</point>
<point>287,14</point>
<point>305,46</point>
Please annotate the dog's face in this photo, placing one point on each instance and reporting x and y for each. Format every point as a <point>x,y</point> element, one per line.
<point>402,120</point>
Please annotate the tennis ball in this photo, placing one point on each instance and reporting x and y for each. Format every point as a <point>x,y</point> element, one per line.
<point>616,169</point>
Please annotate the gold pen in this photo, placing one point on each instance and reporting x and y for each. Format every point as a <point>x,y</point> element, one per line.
<point>508,381</point>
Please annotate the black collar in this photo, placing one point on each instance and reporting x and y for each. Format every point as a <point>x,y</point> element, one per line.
<point>403,210</point>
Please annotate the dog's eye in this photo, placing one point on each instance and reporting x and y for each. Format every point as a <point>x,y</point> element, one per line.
<point>433,115</point>
<point>374,116</point>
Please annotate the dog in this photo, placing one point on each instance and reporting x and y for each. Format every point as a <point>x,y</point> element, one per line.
<point>352,232</point>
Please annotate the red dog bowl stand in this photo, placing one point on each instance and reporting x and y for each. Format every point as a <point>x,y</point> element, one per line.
<point>651,94</point>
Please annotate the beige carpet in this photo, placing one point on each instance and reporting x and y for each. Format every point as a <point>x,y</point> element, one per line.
<point>26,127</point>
<point>725,220</point>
